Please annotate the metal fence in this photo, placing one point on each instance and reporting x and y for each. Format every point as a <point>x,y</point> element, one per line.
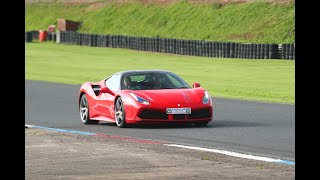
<point>182,46</point>
<point>287,51</point>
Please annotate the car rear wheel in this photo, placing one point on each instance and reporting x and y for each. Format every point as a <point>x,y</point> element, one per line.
<point>84,111</point>
<point>120,114</point>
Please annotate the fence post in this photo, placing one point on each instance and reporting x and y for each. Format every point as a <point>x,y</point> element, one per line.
<point>290,51</point>
<point>293,51</point>
<point>181,47</point>
<point>231,52</point>
<point>28,37</point>
<point>227,50</point>
<point>185,47</point>
<point>201,48</point>
<point>273,51</point>
<point>235,52</point>
<point>58,36</point>
<point>287,51</point>
<point>214,49</point>
<point>210,48</point>
<point>254,51</point>
<point>193,47</point>
<point>266,51</point>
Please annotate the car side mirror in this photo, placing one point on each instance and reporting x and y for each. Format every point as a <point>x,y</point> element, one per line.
<point>195,85</point>
<point>106,90</point>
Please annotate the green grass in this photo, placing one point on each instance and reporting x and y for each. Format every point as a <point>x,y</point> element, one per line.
<point>256,22</point>
<point>263,80</point>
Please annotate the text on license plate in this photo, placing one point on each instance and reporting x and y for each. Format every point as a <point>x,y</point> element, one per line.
<point>178,111</point>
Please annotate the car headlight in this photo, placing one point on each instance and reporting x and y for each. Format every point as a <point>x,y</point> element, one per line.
<point>140,99</point>
<point>206,98</point>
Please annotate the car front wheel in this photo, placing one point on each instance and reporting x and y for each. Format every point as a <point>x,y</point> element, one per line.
<point>120,114</point>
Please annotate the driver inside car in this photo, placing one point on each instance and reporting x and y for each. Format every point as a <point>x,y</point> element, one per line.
<point>127,82</point>
<point>156,82</point>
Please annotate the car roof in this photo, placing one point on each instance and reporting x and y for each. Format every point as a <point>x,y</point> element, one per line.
<point>140,71</point>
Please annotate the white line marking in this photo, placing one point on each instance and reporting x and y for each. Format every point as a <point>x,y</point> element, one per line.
<point>234,154</point>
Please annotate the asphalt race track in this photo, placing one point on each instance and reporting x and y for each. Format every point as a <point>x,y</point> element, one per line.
<point>258,128</point>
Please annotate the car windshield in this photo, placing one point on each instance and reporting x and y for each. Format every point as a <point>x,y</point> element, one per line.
<point>152,80</point>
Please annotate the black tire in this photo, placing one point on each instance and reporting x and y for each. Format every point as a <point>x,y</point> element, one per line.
<point>84,111</point>
<point>119,114</point>
<point>199,124</point>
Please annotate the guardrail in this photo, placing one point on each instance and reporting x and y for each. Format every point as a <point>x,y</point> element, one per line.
<point>179,46</point>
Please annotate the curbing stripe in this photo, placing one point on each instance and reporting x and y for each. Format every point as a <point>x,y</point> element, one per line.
<point>64,130</point>
<point>234,154</point>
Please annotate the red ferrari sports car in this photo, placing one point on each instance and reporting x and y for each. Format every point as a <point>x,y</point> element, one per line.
<point>144,96</point>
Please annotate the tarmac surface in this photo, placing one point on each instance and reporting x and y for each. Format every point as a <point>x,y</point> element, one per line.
<point>257,128</point>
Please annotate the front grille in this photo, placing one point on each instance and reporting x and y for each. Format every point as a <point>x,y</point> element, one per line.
<point>200,113</point>
<point>152,114</point>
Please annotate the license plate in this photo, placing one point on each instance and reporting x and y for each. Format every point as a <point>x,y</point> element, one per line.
<point>178,110</point>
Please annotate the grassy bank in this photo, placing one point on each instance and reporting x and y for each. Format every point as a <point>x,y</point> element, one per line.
<point>265,80</point>
<point>255,22</point>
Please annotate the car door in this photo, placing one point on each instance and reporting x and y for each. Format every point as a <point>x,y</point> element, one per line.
<point>105,100</point>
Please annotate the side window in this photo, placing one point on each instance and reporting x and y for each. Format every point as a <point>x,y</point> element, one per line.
<point>113,83</point>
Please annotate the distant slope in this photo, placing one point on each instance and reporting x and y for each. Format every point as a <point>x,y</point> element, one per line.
<point>255,22</point>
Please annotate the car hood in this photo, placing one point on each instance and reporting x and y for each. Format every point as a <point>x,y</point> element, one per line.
<point>172,97</point>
